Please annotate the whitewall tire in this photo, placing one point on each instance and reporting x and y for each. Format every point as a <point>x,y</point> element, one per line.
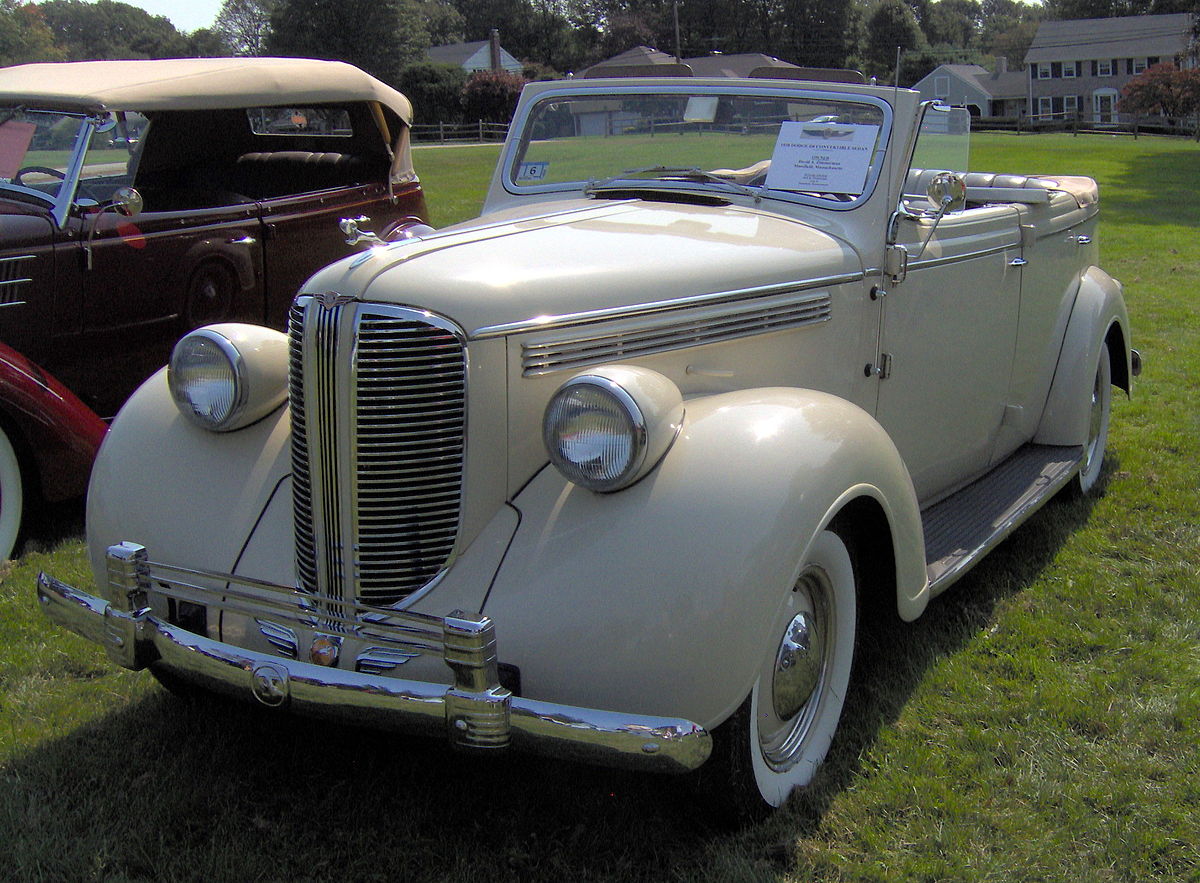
<point>12,497</point>
<point>778,738</point>
<point>1099,412</point>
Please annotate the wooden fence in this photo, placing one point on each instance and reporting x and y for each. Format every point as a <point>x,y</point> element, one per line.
<point>447,132</point>
<point>1080,121</point>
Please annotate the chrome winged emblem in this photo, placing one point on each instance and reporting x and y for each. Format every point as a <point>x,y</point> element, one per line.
<point>330,299</point>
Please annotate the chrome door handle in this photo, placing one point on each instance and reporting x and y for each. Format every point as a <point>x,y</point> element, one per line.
<point>245,240</point>
<point>1083,239</point>
<point>1018,262</point>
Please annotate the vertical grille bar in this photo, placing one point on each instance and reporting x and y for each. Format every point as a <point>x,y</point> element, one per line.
<point>379,418</point>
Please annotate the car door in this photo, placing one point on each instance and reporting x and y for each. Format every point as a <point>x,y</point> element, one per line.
<point>148,279</point>
<point>302,236</point>
<point>948,333</point>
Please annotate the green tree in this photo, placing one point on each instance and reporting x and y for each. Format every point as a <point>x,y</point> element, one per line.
<point>954,22</point>
<point>1009,28</point>
<point>379,36</point>
<point>108,29</point>
<point>891,26</point>
<point>435,90</point>
<point>207,43</point>
<point>443,22</point>
<point>245,25</point>
<point>24,36</point>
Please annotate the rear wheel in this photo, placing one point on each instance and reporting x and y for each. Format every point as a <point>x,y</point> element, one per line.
<point>12,497</point>
<point>210,295</point>
<point>1099,411</point>
<point>778,738</point>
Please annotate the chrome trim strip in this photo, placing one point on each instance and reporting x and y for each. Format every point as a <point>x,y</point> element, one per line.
<point>761,316</point>
<point>473,712</point>
<point>959,258</point>
<point>547,323</point>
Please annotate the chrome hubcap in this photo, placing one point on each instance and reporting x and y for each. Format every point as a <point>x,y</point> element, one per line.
<point>797,666</point>
<point>798,673</point>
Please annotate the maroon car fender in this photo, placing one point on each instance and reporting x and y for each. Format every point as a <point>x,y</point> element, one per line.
<point>53,427</point>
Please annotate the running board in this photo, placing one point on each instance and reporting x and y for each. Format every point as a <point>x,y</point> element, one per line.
<point>971,522</point>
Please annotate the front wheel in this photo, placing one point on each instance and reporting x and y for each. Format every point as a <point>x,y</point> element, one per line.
<point>12,497</point>
<point>780,735</point>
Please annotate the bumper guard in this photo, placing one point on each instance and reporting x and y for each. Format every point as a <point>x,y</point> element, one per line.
<point>475,711</point>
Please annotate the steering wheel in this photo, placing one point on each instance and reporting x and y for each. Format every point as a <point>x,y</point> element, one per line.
<point>16,179</point>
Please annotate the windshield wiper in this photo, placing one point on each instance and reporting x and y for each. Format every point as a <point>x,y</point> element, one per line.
<point>667,173</point>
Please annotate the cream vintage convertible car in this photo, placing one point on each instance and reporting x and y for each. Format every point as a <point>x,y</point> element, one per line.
<point>608,472</point>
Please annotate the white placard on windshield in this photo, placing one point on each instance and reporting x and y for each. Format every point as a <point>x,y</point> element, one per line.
<point>825,157</point>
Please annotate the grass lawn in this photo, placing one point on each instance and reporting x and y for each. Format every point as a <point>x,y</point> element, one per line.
<point>1041,721</point>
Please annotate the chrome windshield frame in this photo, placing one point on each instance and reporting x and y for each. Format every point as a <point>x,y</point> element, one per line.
<point>515,145</point>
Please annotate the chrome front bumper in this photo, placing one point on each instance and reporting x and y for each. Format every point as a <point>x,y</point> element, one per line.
<point>474,712</point>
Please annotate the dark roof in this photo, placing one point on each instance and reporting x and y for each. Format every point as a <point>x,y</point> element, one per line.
<point>739,65</point>
<point>455,53</point>
<point>1010,84</point>
<point>1134,36</point>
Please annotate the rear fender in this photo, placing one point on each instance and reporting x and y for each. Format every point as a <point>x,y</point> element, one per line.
<point>1098,317</point>
<point>659,596</point>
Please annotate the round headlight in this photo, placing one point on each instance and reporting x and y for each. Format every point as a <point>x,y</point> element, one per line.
<point>606,429</point>
<point>224,377</point>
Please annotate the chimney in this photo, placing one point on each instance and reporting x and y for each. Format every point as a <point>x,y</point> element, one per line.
<point>494,45</point>
<point>1001,64</point>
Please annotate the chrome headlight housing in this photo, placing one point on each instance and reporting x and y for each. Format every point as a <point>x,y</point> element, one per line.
<point>604,430</point>
<point>224,377</point>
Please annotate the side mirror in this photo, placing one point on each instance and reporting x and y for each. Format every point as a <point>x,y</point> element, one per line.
<point>948,192</point>
<point>128,202</point>
<point>125,201</point>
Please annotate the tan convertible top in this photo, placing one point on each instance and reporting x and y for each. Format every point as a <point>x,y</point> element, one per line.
<point>193,84</point>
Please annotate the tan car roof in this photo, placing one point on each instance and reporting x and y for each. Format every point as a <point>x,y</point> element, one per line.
<point>193,84</point>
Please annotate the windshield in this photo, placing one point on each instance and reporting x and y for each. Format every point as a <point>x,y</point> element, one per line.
<point>37,146</point>
<point>812,147</point>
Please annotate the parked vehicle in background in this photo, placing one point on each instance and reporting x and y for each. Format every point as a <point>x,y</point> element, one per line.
<point>610,471</point>
<point>142,199</point>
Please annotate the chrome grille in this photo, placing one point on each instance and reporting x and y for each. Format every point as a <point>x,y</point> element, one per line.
<point>379,412</point>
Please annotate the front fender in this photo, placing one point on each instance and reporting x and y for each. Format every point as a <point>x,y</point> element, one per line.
<point>659,596</point>
<point>1097,317</point>
<point>190,496</point>
<point>60,432</point>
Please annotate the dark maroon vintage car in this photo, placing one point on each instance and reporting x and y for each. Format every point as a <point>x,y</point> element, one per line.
<point>141,199</point>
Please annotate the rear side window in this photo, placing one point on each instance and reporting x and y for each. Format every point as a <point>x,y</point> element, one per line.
<point>329,122</point>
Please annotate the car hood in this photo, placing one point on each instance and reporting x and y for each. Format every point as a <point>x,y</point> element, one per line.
<point>509,268</point>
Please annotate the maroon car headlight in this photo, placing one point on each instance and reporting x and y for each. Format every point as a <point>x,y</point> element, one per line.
<point>604,430</point>
<point>224,377</point>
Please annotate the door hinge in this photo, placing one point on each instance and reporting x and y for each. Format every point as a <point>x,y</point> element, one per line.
<point>883,370</point>
<point>896,263</point>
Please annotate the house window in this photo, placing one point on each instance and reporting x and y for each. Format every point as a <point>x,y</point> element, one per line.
<point>1137,66</point>
<point>1070,105</point>
<point>1070,70</point>
<point>1045,107</point>
<point>1104,68</point>
<point>941,87</point>
<point>1043,70</point>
